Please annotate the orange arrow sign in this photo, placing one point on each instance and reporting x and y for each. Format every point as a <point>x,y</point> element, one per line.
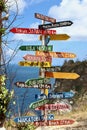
<point>56,54</point>
<point>57,37</point>
<point>61,75</point>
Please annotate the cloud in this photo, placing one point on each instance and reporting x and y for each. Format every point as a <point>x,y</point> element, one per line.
<point>75,11</point>
<point>12,4</point>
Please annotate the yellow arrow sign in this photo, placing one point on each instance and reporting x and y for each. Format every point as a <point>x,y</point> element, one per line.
<point>56,54</point>
<point>35,64</point>
<point>61,75</point>
<point>57,37</point>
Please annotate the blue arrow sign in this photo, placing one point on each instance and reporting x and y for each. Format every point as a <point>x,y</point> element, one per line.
<point>59,95</point>
<point>33,118</point>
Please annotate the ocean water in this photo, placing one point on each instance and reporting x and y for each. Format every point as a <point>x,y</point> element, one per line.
<point>23,96</point>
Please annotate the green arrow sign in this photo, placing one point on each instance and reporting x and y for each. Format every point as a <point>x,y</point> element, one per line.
<point>36,48</point>
<point>38,103</point>
<point>37,81</point>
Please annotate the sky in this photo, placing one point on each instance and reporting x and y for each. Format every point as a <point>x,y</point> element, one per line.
<point>61,10</point>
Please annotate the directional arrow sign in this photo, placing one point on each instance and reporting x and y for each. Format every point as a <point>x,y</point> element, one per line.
<point>56,54</point>
<point>36,48</point>
<point>45,18</point>
<point>61,75</point>
<point>33,118</point>
<point>37,81</point>
<point>35,64</point>
<point>53,107</point>
<point>60,95</point>
<point>52,69</point>
<point>57,37</point>
<point>38,103</point>
<point>34,58</point>
<point>64,95</point>
<point>32,31</point>
<point>57,24</point>
<point>40,86</point>
<point>54,122</point>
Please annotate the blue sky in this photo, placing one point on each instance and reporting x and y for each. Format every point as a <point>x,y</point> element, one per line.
<point>61,10</point>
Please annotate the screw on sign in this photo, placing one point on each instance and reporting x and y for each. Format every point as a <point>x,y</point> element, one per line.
<point>54,25</point>
<point>57,37</point>
<point>32,31</point>
<point>36,48</point>
<point>53,107</point>
<point>35,64</point>
<point>34,58</point>
<point>45,18</point>
<point>54,122</point>
<point>55,54</point>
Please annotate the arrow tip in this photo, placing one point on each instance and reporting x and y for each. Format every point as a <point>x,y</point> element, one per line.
<point>12,30</point>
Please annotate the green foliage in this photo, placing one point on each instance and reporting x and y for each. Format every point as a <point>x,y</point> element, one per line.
<point>2,5</point>
<point>5,98</point>
<point>2,30</point>
<point>23,126</point>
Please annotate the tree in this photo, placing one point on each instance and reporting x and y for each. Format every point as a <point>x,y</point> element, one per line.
<point>5,94</point>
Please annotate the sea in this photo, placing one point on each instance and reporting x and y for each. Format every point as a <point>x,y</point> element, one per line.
<point>23,96</point>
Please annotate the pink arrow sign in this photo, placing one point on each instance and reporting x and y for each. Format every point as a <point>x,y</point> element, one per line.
<point>54,122</point>
<point>37,58</point>
<point>32,31</point>
<point>53,107</point>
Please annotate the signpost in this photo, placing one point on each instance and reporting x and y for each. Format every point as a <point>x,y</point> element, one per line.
<point>57,24</point>
<point>26,119</point>
<point>38,81</point>
<point>61,75</point>
<point>36,48</point>
<point>35,64</point>
<point>56,37</point>
<point>40,86</point>
<point>54,122</point>
<point>32,31</point>
<point>34,58</point>
<point>38,103</point>
<point>56,54</point>
<point>53,107</point>
<point>45,18</point>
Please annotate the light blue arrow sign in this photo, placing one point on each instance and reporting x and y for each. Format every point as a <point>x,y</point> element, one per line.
<point>33,118</point>
<point>59,95</point>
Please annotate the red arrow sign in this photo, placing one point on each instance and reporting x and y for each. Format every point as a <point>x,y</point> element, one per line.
<point>32,31</point>
<point>54,122</point>
<point>37,58</point>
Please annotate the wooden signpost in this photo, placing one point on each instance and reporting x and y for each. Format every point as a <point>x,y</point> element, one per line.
<point>36,48</point>
<point>34,64</point>
<point>56,54</point>
<point>34,58</point>
<point>61,75</point>
<point>57,24</point>
<point>43,59</point>
<point>32,31</point>
<point>56,37</point>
